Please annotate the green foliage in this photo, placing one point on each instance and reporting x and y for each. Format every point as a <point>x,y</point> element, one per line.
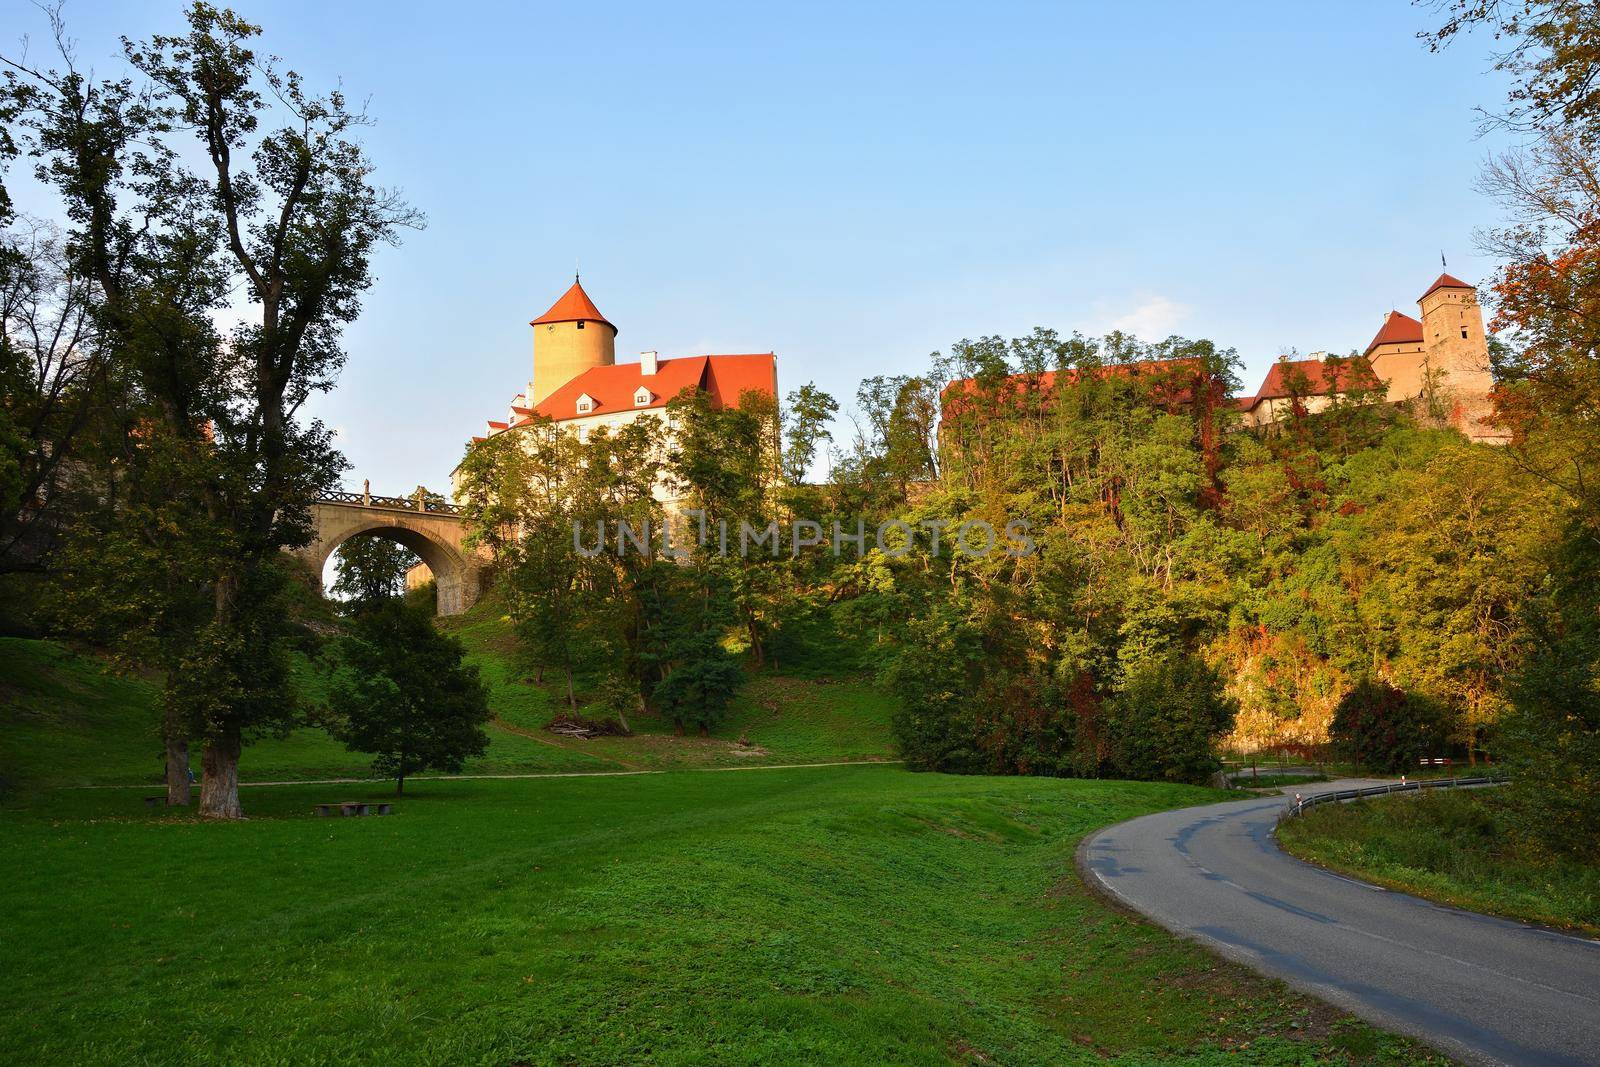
<point>405,696</point>
<point>1384,728</point>
<point>1168,719</point>
<point>210,470</point>
<point>372,569</point>
<point>1553,732</point>
<point>806,415</point>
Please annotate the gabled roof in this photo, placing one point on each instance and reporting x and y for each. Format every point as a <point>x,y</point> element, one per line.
<point>1352,374</point>
<point>1398,328</point>
<point>574,306</point>
<point>613,388</point>
<point>1444,281</point>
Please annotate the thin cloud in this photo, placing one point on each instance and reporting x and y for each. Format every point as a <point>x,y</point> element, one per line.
<point>1153,318</point>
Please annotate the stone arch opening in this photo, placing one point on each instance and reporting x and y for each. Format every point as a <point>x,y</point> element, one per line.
<point>454,578</point>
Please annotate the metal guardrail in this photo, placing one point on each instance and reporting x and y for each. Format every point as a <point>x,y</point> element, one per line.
<point>432,505</point>
<point>1339,796</point>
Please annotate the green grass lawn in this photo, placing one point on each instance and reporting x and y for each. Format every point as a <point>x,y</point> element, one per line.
<point>857,914</point>
<point>1451,847</point>
<point>838,915</point>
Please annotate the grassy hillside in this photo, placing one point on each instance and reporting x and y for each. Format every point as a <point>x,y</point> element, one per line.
<point>67,719</point>
<point>840,915</point>
<point>782,718</point>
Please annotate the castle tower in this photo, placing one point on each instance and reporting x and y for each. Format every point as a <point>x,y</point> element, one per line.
<point>1456,351</point>
<point>569,339</point>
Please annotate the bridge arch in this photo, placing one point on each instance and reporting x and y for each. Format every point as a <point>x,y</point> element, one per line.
<point>434,535</point>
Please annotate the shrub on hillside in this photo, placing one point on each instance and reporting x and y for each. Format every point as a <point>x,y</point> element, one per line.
<point>932,674</point>
<point>1382,728</point>
<point>1167,720</point>
<point>700,683</point>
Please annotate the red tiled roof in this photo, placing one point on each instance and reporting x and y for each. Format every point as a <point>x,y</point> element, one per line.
<point>1318,381</point>
<point>1283,372</point>
<point>1398,328</point>
<point>1445,281</point>
<point>612,388</point>
<point>574,306</point>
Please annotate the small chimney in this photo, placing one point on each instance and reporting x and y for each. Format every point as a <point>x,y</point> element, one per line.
<point>648,363</point>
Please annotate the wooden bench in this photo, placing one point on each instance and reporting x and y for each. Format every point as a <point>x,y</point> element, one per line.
<point>353,808</point>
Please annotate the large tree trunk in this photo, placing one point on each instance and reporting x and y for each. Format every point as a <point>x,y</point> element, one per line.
<point>219,783</point>
<point>178,789</point>
<point>572,695</point>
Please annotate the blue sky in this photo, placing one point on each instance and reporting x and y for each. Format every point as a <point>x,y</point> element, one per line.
<point>856,185</point>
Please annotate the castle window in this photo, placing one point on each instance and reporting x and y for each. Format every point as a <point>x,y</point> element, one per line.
<point>641,398</point>
<point>580,325</point>
<point>1463,333</point>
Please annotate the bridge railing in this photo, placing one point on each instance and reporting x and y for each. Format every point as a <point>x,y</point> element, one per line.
<point>430,504</point>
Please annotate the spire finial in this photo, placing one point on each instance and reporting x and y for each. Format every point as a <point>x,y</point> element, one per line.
<point>1442,264</point>
<point>576,277</point>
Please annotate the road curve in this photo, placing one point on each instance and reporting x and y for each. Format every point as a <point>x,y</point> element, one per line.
<point>1486,990</point>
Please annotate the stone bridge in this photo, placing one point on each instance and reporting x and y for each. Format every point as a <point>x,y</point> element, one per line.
<point>425,524</point>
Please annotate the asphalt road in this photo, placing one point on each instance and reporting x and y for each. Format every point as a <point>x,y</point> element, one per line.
<point>1483,989</point>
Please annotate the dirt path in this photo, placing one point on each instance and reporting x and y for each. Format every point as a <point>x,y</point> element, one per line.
<point>538,774</point>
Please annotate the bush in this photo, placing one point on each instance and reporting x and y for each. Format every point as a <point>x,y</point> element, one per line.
<point>700,685</point>
<point>932,674</point>
<point>1385,728</point>
<point>1167,719</point>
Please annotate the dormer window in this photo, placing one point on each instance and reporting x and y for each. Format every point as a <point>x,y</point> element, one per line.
<point>642,397</point>
<point>585,404</point>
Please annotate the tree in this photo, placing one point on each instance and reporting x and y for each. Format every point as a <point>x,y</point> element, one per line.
<point>404,695</point>
<point>372,570</point>
<point>1550,49</point>
<point>1553,731</point>
<point>288,217</point>
<point>53,383</point>
<point>1167,720</point>
<point>806,415</point>
<point>1385,727</point>
<point>1547,305</point>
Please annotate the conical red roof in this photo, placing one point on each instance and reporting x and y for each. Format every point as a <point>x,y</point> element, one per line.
<point>1445,282</point>
<point>1398,328</point>
<point>574,306</point>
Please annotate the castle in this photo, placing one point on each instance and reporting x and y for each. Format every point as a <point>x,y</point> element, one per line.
<point>578,383</point>
<point>1442,359</point>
